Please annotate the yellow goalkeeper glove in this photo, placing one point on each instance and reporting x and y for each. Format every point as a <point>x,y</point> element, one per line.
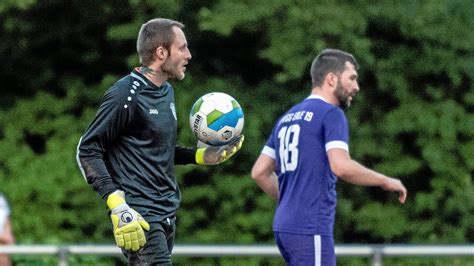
<point>211,155</point>
<point>128,224</point>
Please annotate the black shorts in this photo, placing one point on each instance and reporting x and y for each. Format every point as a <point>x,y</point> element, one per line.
<point>158,247</point>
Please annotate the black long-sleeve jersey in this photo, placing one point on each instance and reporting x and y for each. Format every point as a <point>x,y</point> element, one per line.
<point>131,146</point>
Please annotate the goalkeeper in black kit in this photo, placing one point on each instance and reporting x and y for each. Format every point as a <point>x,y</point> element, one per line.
<point>128,152</point>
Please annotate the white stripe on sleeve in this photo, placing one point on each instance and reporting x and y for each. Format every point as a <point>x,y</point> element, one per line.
<point>269,151</point>
<point>79,161</point>
<point>337,144</point>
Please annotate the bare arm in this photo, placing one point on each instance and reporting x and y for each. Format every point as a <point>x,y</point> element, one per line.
<point>6,237</point>
<point>263,173</point>
<point>353,172</point>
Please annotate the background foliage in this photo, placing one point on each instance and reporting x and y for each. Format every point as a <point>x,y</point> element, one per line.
<point>413,118</point>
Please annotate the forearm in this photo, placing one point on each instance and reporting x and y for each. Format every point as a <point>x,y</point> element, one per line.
<point>357,174</point>
<point>353,172</point>
<point>269,185</point>
<point>6,237</point>
<point>184,155</point>
<point>263,173</point>
<point>96,174</point>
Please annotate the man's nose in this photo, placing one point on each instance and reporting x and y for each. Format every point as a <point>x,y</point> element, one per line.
<point>189,55</point>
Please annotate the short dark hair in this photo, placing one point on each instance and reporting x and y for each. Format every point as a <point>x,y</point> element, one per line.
<point>329,60</point>
<point>153,34</point>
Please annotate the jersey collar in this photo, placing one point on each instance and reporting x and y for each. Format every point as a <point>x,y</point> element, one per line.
<point>136,74</point>
<point>314,96</point>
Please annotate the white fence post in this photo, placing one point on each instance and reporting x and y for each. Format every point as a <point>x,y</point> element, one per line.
<point>63,256</point>
<point>377,257</point>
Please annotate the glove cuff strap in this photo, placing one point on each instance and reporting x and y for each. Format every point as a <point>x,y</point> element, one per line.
<point>200,156</point>
<point>115,199</point>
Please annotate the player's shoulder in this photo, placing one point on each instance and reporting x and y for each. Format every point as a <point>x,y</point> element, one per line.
<point>335,109</point>
<point>323,109</point>
<point>167,85</point>
<point>333,114</point>
<point>129,84</point>
<point>127,87</point>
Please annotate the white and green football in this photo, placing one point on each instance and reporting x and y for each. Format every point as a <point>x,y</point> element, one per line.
<point>216,119</point>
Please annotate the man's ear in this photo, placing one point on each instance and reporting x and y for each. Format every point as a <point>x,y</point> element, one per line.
<point>331,79</point>
<point>161,53</point>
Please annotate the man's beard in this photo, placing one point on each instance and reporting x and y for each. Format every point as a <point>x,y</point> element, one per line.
<point>342,96</point>
<point>171,70</point>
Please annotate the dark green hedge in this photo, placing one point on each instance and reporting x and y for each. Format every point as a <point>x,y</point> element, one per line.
<point>413,118</point>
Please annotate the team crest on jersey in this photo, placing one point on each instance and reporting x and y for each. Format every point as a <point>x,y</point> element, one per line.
<point>173,110</point>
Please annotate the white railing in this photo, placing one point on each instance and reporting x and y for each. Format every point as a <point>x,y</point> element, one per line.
<point>377,252</point>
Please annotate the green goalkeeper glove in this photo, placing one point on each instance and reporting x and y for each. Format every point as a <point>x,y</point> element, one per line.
<point>128,224</point>
<point>211,155</point>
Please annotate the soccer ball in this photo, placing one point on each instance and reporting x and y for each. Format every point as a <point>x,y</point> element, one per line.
<point>216,119</point>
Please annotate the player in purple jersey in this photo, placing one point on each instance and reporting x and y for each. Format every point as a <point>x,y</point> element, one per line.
<point>306,152</point>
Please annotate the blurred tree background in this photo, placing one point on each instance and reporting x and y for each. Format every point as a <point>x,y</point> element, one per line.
<point>413,118</point>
